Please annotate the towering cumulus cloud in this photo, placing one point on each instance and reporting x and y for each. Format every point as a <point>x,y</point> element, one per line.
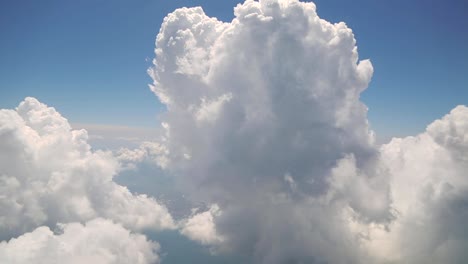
<point>50,175</point>
<point>264,120</point>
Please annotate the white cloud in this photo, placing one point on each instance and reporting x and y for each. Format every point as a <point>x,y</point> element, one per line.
<point>153,152</point>
<point>430,193</point>
<point>280,88</point>
<point>201,227</point>
<point>451,132</point>
<point>288,156</point>
<point>49,174</point>
<point>98,241</point>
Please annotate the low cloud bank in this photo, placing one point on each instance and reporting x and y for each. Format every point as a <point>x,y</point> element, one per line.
<point>49,175</point>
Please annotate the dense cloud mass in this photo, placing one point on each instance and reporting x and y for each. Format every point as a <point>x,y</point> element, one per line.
<point>263,117</point>
<point>264,120</point>
<point>98,241</point>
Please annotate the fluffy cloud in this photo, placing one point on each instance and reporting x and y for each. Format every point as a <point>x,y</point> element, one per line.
<point>148,151</point>
<point>201,227</point>
<point>264,119</point>
<point>49,174</point>
<point>98,241</point>
<point>430,193</point>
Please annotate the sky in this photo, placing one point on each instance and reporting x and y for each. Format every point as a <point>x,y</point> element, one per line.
<point>161,132</point>
<point>89,58</point>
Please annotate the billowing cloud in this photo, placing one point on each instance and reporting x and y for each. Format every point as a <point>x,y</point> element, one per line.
<point>264,119</point>
<point>148,151</point>
<point>201,227</point>
<point>49,174</point>
<point>98,241</point>
<point>430,193</point>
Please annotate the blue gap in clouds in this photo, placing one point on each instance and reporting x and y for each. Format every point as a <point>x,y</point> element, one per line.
<point>177,249</point>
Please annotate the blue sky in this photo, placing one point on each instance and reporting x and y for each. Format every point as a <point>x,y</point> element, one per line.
<point>89,58</point>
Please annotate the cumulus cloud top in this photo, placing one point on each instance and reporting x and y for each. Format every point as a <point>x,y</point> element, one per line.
<point>451,132</point>
<point>98,241</point>
<point>271,83</point>
<point>49,174</point>
<point>430,192</point>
